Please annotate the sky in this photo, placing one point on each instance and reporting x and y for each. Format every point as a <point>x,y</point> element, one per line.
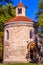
<point>32,7</point>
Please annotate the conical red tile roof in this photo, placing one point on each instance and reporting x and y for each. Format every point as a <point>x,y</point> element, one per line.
<point>20,18</point>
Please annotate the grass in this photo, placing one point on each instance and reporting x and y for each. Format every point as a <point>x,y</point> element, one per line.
<point>22,64</point>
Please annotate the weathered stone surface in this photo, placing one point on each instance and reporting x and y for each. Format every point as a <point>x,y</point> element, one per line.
<point>15,48</point>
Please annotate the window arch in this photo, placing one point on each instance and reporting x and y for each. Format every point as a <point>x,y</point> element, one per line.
<point>19,10</point>
<point>32,33</point>
<point>7,34</point>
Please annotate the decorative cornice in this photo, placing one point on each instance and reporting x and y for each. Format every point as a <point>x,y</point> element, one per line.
<point>22,23</point>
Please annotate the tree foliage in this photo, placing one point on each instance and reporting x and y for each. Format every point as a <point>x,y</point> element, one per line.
<point>1,46</point>
<point>5,1</point>
<point>39,16</point>
<point>9,1</point>
<point>41,4</point>
<point>6,12</point>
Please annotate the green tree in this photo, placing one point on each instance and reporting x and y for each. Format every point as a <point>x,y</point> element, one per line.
<point>5,1</point>
<point>40,23</point>
<point>39,16</point>
<point>9,1</point>
<point>1,46</point>
<point>6,12</point>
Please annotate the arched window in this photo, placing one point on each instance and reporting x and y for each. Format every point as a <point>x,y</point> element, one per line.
<point>19,10</point>
<point>7,34</point>
<point>32,34</point>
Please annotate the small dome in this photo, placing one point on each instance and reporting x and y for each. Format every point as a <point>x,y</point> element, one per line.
<point>20,18</point>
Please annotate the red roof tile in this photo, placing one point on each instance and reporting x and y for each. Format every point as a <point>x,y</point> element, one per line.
<point>20,18</point>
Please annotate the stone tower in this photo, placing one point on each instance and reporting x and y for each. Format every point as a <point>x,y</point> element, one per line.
<point>18,32</point>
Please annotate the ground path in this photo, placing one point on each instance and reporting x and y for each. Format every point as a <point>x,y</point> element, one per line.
<point>22,64</point>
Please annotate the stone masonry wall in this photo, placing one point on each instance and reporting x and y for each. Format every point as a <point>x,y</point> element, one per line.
<point>15,48</point>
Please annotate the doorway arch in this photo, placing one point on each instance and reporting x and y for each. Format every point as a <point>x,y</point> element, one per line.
<point>30,50</point>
